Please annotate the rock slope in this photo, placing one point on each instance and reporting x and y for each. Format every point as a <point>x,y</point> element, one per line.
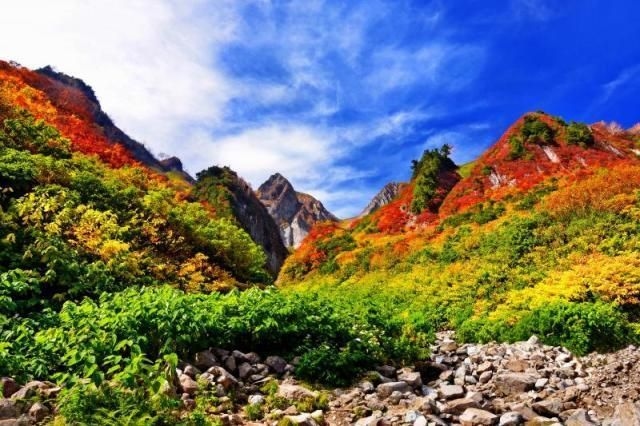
<point>492,384</point>
<point>294,212</point>
<point>383,197</point>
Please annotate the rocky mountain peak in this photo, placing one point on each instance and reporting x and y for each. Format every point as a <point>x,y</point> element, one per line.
<point>294,212</point>
<point>383,197</point>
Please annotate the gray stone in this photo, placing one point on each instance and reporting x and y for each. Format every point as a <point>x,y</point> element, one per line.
<point>38,412</point>
<point>386,389</point>
<point>514,383</point>
<point>387,371</point>
<point>541,383</point>
<point>411,378</point>
<point>579,417</point>
<point>548,407</point>
<point>191,371</point>
<point>304,419</point>
<point>475,416</point>
<point>420,421</point>
<point>276,364</point>
<point>188,385</point>
<point>626,414</point>
<point>29,390</point>
<point>204,360</point>
<point>245,370</point>
<point>458,406</point>
<point>511,418</point>
<point>8,386</point>
<point>448,346</point>
<point>451,391</point>
<point>485,376</point>
<point>256,399</point>
<point>230,363</point>
<point>295,392</point>
<point>8,409</point>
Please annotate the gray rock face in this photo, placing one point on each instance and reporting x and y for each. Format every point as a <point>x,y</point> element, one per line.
<point>386,194</point>
<point>250,213</point>
<point>295,213</point>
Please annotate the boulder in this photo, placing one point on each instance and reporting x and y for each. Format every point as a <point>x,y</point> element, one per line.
<point>8,386</point>
<point>412,378</point>
<point>8,409</point>
<point>626,414</point>
<point>475,416</point>
<point>548,407</point>
<point>295,392</point>
<point>188,385</point>
<point>579,417</point>
<point>514,383</point>
<point>451,391</point>
<point>386,389</point>
<point>38,412</point>
<point>304,419</point>
<point>511,418</point>
<point>276,364</point>
<point>205,360</point>
<point>458,406</point>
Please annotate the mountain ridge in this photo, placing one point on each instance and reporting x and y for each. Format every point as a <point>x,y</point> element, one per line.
<point>294,212</point>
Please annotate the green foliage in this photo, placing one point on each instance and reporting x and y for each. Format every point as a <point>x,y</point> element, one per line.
<point>425,176</point>
<point>579,134</point>
<point>581,327</point>
<point>517,148</point>
<point>535,130</point>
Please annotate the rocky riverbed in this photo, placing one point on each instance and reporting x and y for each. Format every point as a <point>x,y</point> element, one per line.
<point>471,384</point>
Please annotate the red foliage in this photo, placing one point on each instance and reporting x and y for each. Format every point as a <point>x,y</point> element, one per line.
<point>68,110</point>
<point>560,159</point>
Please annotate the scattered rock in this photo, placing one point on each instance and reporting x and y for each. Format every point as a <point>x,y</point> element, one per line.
<point>38,412</point>
<point>514,383</point>
<point>188,385</point>
<point>475,416</point>
<point>386,389</point>
<point>276,364</point>
<point>8,386</point>
<point>451,391</point>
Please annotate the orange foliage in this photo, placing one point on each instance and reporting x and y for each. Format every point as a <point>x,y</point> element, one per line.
<point>606,190</point>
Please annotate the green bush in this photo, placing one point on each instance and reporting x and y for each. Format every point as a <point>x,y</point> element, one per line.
<point>581,327</point>
<point>579,134</point>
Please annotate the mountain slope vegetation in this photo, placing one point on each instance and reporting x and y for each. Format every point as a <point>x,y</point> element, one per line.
<point>539,237</point>
<point>116,268</point>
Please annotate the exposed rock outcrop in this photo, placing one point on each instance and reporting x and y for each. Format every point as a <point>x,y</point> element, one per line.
<point>222,182</point>
<point>386,194</point>
<point>295,213</point>
<point>75,95</point>
<point>174,164</point>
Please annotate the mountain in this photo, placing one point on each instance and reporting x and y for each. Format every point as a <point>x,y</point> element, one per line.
<point>383,197</point>
<point>536,236</point>
<point>54,131</point>
<point>294,212</point>
<point>235,199</point>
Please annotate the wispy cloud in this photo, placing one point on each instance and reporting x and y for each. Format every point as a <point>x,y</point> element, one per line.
<point>624,78</point>
<point>538,10</point>
<point>320,91</point>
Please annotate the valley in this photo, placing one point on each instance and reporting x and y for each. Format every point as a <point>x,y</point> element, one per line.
<point>134,293</point>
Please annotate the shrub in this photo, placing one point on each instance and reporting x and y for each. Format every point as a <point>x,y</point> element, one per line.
<point>579,134</point>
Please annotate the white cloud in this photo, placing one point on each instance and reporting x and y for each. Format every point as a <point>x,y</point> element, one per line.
<point>157,68</point>
<point>149,61</point>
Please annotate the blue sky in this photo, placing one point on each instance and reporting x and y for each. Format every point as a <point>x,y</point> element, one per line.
<point>338,96</point>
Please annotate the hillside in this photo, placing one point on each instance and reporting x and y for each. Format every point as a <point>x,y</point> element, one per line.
<point>539,236</point>
<point>294,212</point>
<point>131,293</point>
